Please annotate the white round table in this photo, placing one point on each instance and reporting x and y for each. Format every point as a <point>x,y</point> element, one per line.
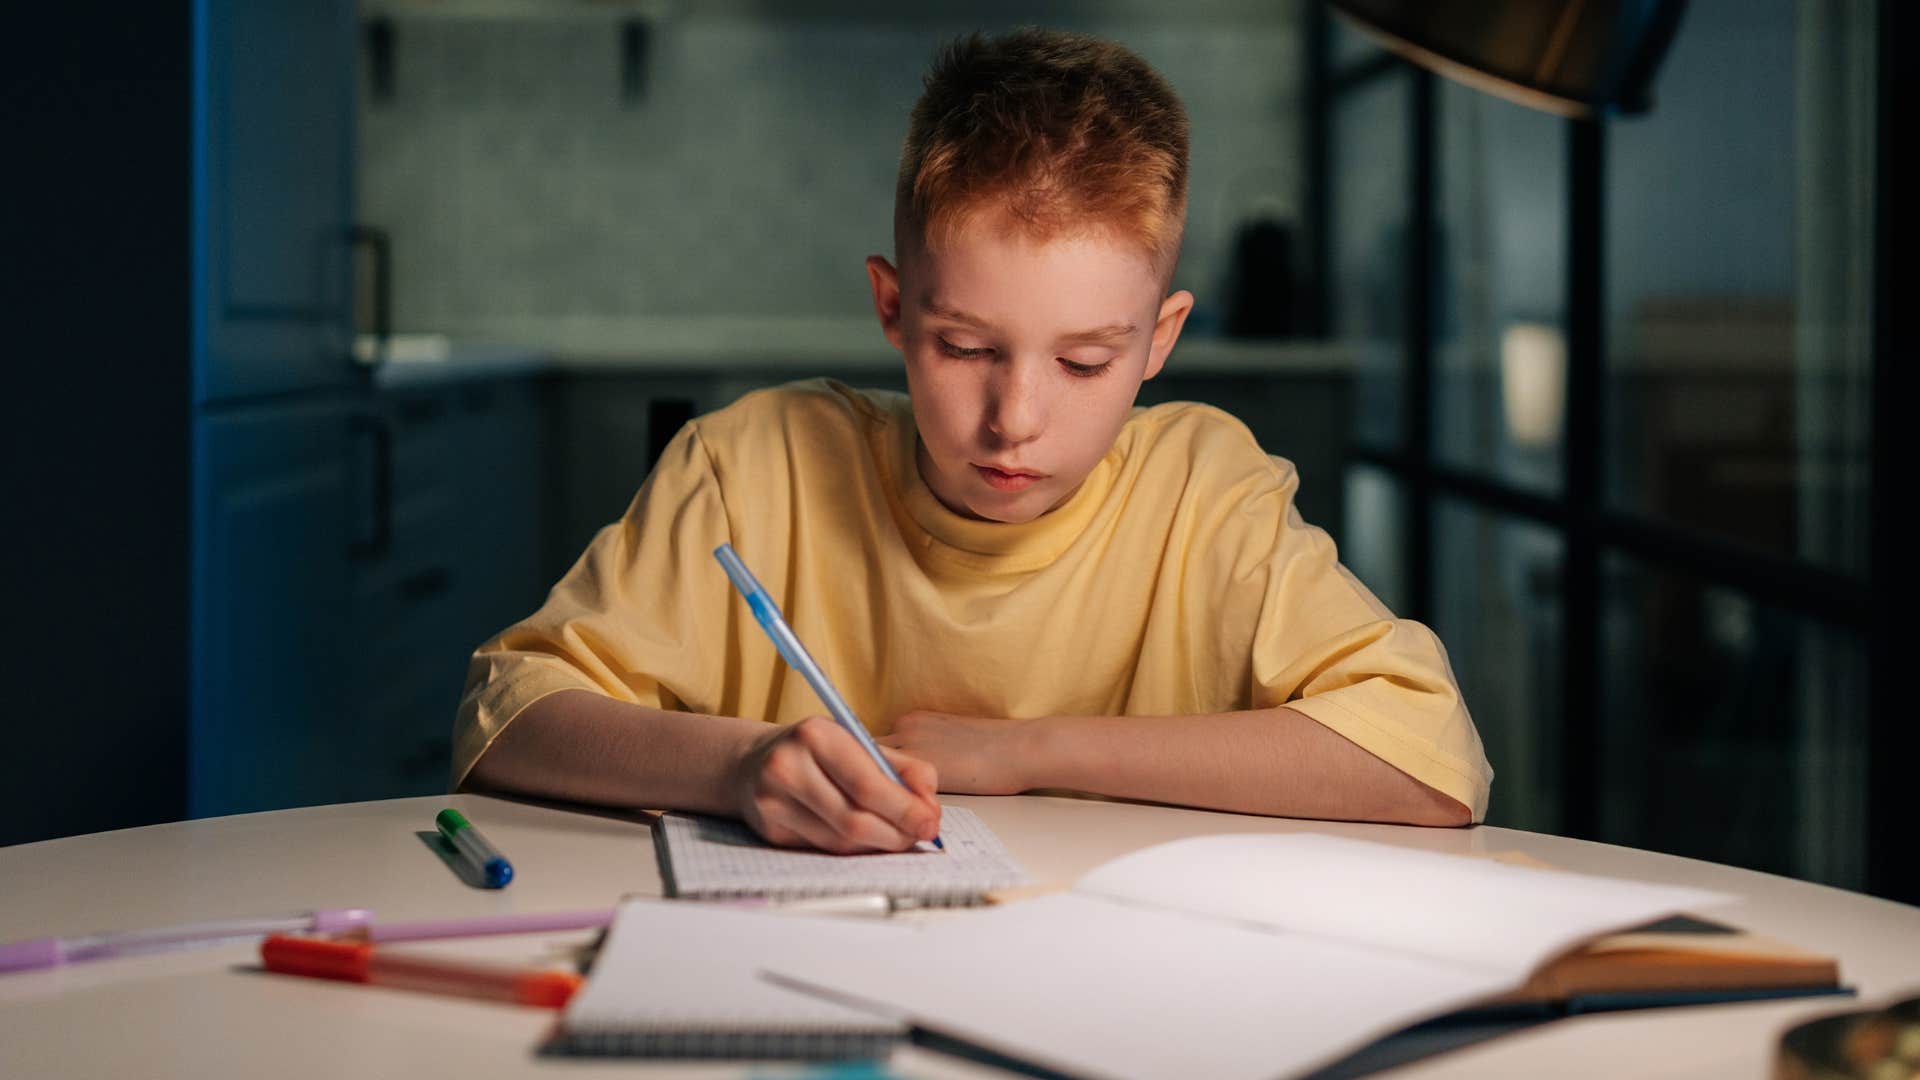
<point>211,1013</point>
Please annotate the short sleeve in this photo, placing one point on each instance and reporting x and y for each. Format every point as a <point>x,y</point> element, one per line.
<point>636,618</point>
<point>1327,647</point>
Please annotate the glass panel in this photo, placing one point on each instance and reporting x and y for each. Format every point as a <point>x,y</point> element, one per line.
<point>1500,281</point>
<point>1734,731</point>
<point>1739,246</point>
<point>1373,539</point>
<point>1346,45</point>
<point>1370,159</point>
<point>1497,608</point>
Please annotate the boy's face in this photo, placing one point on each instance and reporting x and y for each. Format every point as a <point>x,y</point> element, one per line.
<point>1023,359</point>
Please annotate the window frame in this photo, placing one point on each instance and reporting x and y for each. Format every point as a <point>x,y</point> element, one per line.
<point>1578,513</point>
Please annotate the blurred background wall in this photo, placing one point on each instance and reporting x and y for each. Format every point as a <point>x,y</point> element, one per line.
<point>532,193</point>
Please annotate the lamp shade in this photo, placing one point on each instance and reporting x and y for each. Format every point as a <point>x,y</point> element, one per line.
<point>1570,57</point>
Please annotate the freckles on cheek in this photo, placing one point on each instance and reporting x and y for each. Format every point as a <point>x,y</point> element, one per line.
<point>949,406</point>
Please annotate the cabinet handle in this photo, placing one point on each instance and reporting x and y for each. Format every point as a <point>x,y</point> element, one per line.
<point>380,243</point>
<point>380,541</point>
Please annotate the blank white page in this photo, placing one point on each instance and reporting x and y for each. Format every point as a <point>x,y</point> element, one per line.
<point>671,966</point>
<point>716,857</point>
<point>1094,988</point>
<point>1463,911</point>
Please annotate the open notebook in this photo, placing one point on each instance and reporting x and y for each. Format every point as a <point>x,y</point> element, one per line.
<point>1241,957</point>
<point>706,858</point>
<point>681,980</point>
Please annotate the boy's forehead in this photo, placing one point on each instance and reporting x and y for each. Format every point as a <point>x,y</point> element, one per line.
<point>993,231</point>
<point>977,265</point>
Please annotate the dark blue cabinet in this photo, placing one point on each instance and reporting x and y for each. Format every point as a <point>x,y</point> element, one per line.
<point>233,586</point>
<point>468,513</point>
<point>273,153</point>
<point>349,553</point>
<point>273,530</point>
<point>279,493</point>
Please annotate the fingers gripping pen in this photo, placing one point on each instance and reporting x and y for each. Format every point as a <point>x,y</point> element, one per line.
<point>784,639</point>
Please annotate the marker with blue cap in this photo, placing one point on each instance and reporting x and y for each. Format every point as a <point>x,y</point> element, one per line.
<point>486,860</point>
<point>784,639</point>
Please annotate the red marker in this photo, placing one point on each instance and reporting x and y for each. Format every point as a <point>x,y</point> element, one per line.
<point>354,962</point>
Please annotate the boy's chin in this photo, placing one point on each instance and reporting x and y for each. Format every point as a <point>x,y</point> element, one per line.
<point>1013,511</point>
<point>1006,515</point>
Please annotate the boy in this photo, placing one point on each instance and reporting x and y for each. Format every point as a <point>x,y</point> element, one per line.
<point>1017,579</point>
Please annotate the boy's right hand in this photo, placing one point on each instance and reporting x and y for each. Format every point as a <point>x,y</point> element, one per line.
<point>811,784</point>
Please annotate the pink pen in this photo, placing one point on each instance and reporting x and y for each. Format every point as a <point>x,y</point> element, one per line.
<point>53,951</point>
<point>482,925</point>
<point>595,918</point>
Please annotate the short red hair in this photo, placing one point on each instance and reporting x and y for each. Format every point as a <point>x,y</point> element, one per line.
<point>1059,131</point>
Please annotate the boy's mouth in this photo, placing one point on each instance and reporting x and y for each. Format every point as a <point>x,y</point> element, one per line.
<point>1007,479</point>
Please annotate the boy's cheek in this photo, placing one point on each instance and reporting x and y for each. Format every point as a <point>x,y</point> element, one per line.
<point>947,438</point>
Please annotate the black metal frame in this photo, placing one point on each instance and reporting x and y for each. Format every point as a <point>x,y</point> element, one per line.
<point>1578,513</point>
<point>1417,406</point>
<point>1893,743</point>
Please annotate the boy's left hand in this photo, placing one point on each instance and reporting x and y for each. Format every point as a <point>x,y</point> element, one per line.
<point>973,755</point>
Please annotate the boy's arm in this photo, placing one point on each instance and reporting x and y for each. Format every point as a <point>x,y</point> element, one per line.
<point>1274,761</point>
<point>806,784</point>
<point>589,748</point>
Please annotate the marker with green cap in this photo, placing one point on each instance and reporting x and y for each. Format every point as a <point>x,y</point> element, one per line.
<point>485,860</point>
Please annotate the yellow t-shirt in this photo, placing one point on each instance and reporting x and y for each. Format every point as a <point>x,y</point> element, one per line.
<point>1177,580</point>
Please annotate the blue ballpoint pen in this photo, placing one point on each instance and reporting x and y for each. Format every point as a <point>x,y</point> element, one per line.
<point>784,639</point>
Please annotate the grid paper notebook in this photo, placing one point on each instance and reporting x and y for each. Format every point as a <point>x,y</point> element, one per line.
<point>677,980</point>
<point>706,858</point>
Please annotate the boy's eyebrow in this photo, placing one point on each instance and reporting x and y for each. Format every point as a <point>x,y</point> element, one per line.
<point>1112,332</point>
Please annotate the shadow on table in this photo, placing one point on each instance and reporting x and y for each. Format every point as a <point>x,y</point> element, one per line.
<point>1465,1028</point>
<point>1437,1036</point>
<point>468,873</point>
<point>1420,1041</point>
<point>586,810</point>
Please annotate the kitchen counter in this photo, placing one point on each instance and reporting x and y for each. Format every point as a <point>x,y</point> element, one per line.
<point>429,360</point>
<point>506,348</point>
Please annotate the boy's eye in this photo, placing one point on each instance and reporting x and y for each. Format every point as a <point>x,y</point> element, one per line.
<point>951,349</point>
<point>1078,371</point>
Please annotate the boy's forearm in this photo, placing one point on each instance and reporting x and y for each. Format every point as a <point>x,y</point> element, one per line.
<point>586,747</point>
<point>1264,761</point>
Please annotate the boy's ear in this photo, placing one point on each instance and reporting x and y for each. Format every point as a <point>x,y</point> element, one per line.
<point>886,298</point>
<point>1166,330</point>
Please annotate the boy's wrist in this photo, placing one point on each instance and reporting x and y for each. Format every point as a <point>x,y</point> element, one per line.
<point>1033,753</point>
<point>742,761</point>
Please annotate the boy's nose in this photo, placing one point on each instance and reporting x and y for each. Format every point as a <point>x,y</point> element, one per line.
<point>1016,412</point>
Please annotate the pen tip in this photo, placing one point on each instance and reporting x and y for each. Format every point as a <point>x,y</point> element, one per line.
<point>938,844</point>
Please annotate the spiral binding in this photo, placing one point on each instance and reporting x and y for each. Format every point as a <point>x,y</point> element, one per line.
<point>813,1044</point>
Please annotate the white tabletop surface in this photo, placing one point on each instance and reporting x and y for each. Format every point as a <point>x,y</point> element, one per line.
<point>211,1013</point>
